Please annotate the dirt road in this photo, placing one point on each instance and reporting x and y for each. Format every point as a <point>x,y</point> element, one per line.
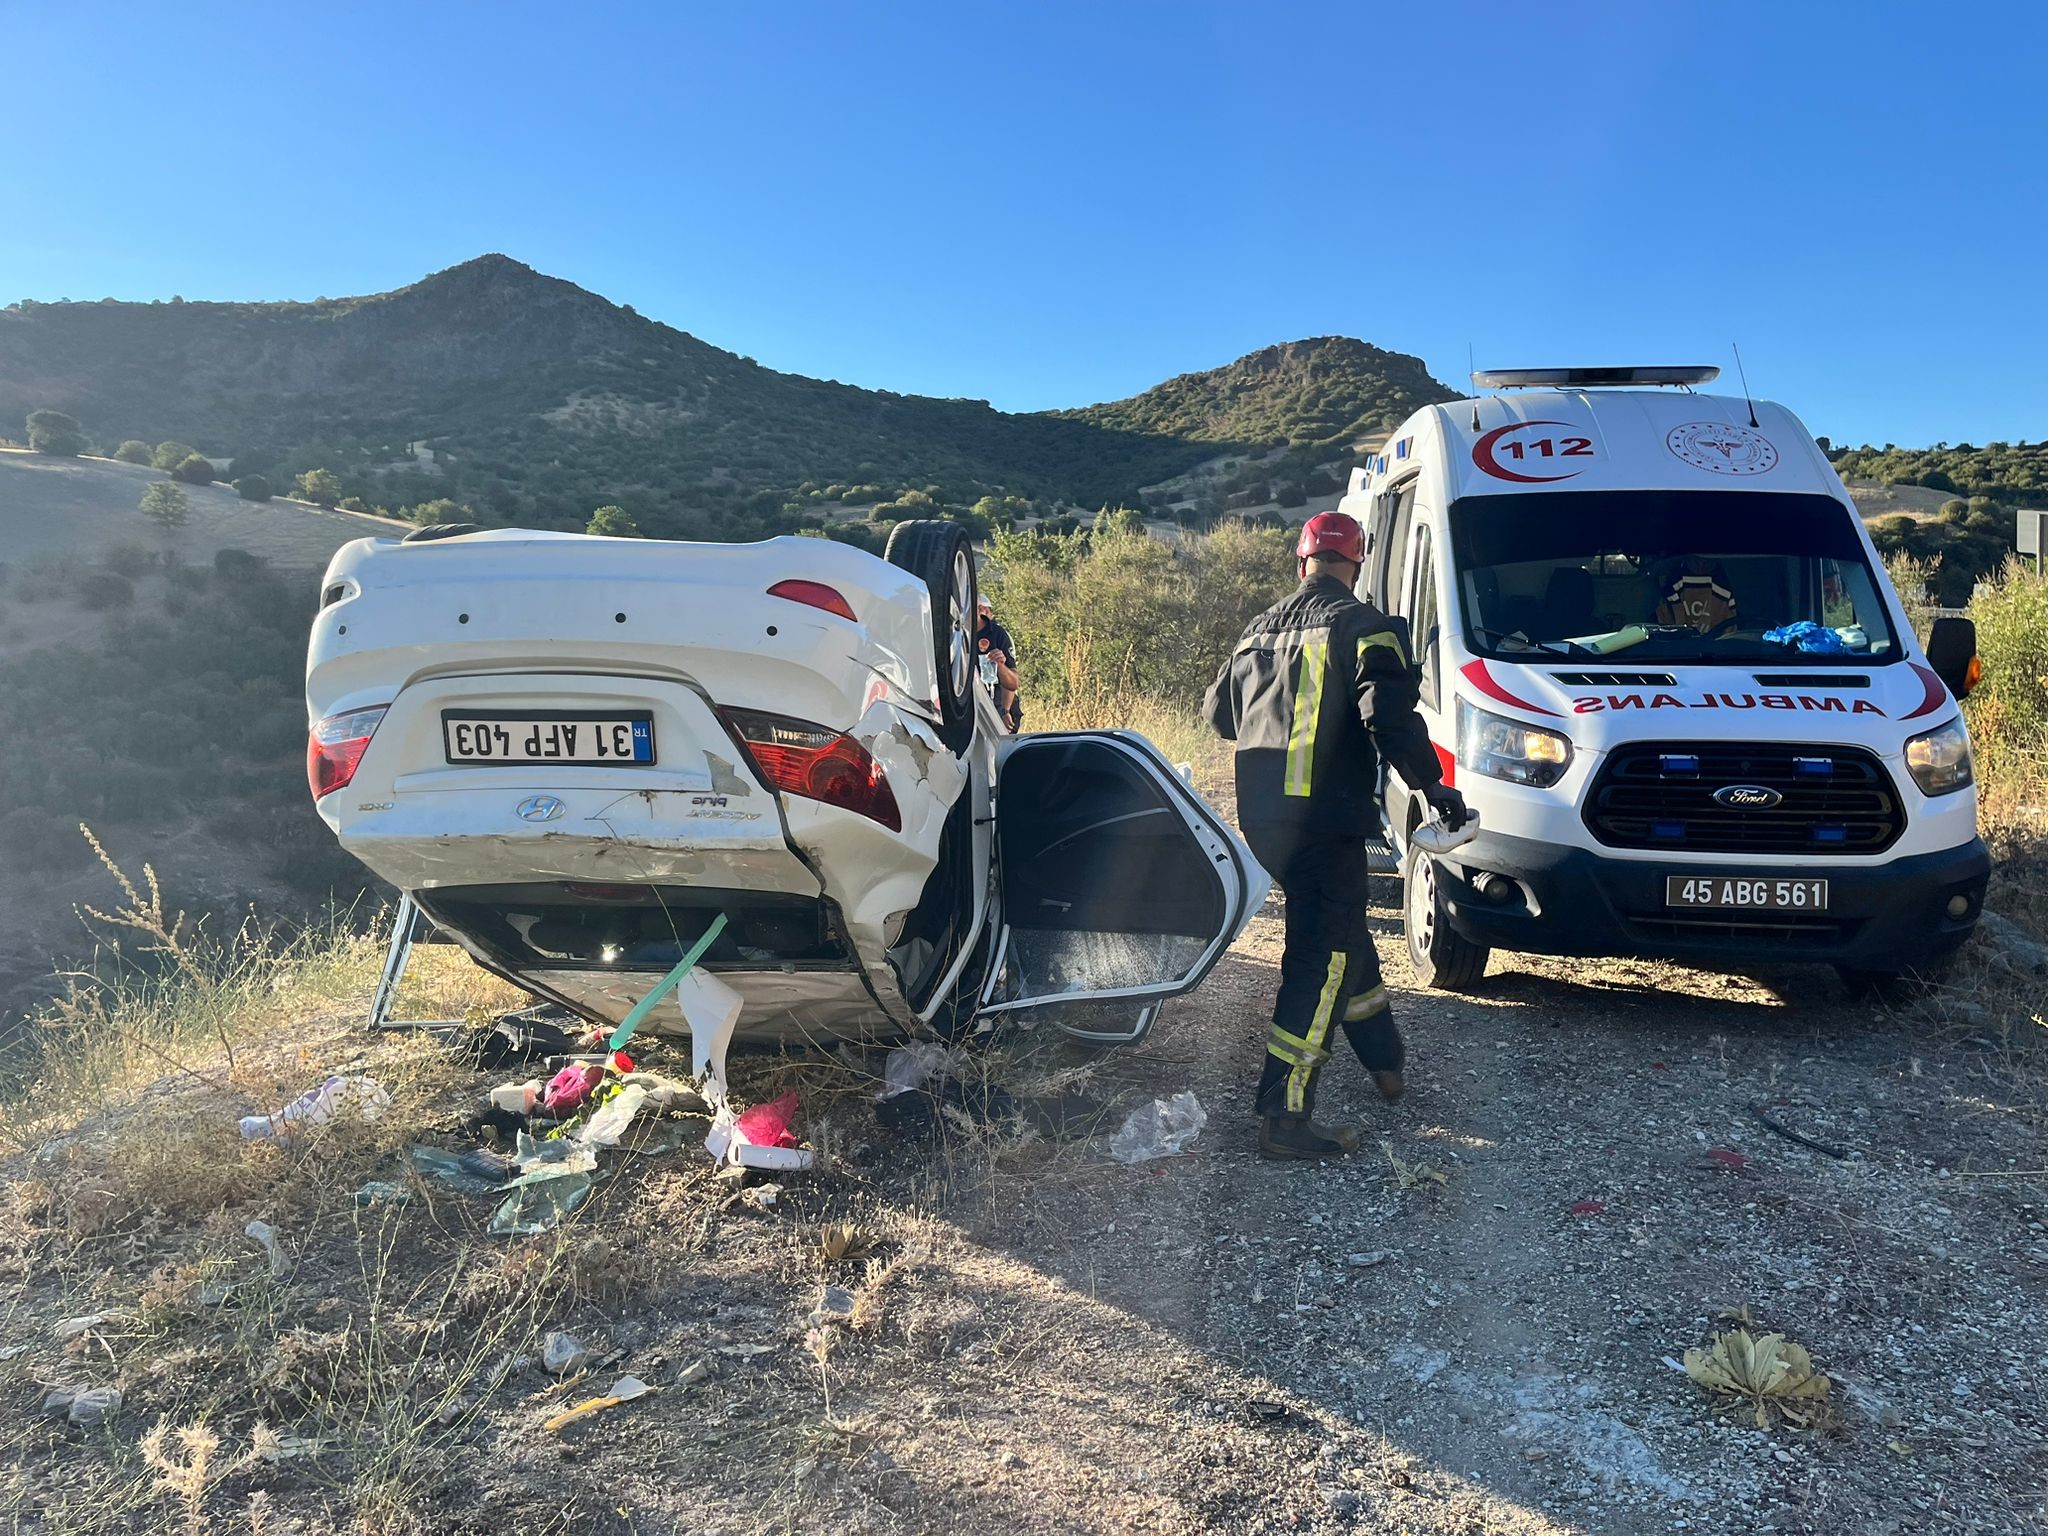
<point>1057,1342</point>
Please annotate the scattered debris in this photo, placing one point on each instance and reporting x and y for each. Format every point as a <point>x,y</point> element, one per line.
<point>1368,1260</point>
<point>563,1353</point>
<point>1413,1175</point>
<point>569,1089</point>
<point>380,1192</point>
<point>266,1237</point>
<point>694,1372</point>
<point>910,1066</point>
<point>74,1327</point>
<point>474,1173</point>
<point>626,1389</point>
<point>1791,1135</point>
<point>1771,1375</point>
<point>364,1096</point>
<point>1163,1128</point>
<point>760,1138</point>
<point>1589,1208</point>
<point>1727,1158</point>
<point>540,1201</point>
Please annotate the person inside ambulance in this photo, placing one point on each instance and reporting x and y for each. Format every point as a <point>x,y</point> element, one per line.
<point>1693,593</point>
<point>1320,688</point>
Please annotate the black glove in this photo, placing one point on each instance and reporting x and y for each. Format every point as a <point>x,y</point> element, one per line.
<point>1448,804</point>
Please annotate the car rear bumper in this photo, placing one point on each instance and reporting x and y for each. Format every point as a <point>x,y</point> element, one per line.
<point>1573,901</point>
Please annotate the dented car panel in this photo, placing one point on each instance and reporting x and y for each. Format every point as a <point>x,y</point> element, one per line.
<point>583,756</point>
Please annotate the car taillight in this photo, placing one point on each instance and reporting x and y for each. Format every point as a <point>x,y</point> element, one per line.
<point>804,759</point>
<point>812,594</point>
<point>335,746</point>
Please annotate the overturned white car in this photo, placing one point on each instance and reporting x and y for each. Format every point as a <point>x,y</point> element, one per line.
<point>577,754</point>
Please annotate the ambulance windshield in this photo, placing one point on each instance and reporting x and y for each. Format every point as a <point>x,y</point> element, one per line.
<point>1687,576</point>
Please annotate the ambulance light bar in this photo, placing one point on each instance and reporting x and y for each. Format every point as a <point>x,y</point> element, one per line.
<point>1590,378</point>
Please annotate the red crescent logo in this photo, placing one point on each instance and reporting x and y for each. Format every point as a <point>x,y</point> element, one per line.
<point>1482,454</point>
<point>1933,691</point>
<point>1477,674</point>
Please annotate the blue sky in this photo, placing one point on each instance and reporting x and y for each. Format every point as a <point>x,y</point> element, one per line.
<point>1046,205</point>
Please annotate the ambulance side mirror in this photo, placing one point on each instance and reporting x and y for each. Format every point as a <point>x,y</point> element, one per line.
<point>1952,653</point>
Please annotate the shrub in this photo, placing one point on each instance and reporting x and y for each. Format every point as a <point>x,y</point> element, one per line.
<point>2012,638</point>
<point>1113,613</point>
<point>165,505</point>
<point>167,456</point>
<point>237,564</point>
<point>253,488</point>
<point>613,522</point>
<point>194,469</point>
<point>319,486</point>
<point>133,451</point>
<point>56,434</point>
<point>99,590</point>
<point>354,504</point>
<point>439,510</point>
<point>126,559</point>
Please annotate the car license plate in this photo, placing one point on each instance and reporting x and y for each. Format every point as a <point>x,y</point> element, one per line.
<point>1750,891</point>
<point>622,740</point>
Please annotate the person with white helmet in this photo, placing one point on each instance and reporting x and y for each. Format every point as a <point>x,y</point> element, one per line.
<point>1320,687</point>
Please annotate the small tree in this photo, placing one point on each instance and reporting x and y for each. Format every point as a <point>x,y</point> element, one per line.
<point>168,456</point>
<point>253,488</point>
<point>133,451</point>
<point>610,522</point>
<point>439,510</point>
<point>194,469</point>
<point>56,434</point>
<point>165,505</point>
<point>321,486</point>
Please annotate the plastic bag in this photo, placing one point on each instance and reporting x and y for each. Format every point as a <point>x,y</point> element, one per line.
<point>908,1066</point>
<point>1163,1128</point>
<point>316,1106</point>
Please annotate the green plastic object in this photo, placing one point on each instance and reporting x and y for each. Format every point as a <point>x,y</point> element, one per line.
<point>666,985</point>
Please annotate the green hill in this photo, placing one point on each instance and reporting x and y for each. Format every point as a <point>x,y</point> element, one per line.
<point>1324,391</point>
<point>531,400</point>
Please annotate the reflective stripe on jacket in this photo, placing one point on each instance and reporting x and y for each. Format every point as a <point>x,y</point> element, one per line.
<point>1318,689</point>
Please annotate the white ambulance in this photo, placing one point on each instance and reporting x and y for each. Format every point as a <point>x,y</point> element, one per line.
<point>1660,656</point>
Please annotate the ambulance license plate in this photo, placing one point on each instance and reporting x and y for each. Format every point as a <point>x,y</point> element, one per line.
<point>622,740</point>
<point>1751,892</point>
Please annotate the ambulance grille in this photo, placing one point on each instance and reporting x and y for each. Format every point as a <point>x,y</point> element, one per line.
<point>1833,800</point>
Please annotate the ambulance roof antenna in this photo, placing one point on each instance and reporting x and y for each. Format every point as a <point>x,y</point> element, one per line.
<point>1746,400</point>
<point>1472,363</point>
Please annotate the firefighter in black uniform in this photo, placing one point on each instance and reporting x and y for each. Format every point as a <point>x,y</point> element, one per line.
<point>1320,687</point>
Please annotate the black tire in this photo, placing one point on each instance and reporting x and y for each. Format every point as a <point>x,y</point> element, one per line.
<point>942,556</point>
<point>1443,958</point>
<point>440,531</point>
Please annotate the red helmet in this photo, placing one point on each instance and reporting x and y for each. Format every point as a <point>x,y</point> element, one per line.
<point>1332,533</point>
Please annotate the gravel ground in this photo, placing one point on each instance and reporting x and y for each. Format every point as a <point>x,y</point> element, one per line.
<point>1043,1340</point>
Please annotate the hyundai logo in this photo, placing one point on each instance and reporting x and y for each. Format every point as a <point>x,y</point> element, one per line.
<point>1747,797</point>
<point>541,808</point>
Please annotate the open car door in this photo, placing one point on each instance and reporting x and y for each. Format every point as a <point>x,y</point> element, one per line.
<point>1120,885</point>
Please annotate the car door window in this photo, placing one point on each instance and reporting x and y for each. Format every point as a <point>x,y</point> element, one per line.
<point>1425,629</point>
<point>1118,881</point>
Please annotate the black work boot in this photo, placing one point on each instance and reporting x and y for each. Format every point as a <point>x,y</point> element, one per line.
<point>1297,1136</point>
<point>1389,1082</point>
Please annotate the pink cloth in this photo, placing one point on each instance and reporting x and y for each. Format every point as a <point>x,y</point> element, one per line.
<point>569,1088</point>
<point>767,1125</point>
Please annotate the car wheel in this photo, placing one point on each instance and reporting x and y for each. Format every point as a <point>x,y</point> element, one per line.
<point>942,556</point>
<point>1443,958</point>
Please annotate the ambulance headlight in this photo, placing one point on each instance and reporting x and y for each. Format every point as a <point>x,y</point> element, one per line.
<point>1940,760</point>
<point>1502,748</point>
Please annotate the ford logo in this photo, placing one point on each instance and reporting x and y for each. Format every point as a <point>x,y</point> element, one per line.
<point>544,808</point>
<point>1747,797</point>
